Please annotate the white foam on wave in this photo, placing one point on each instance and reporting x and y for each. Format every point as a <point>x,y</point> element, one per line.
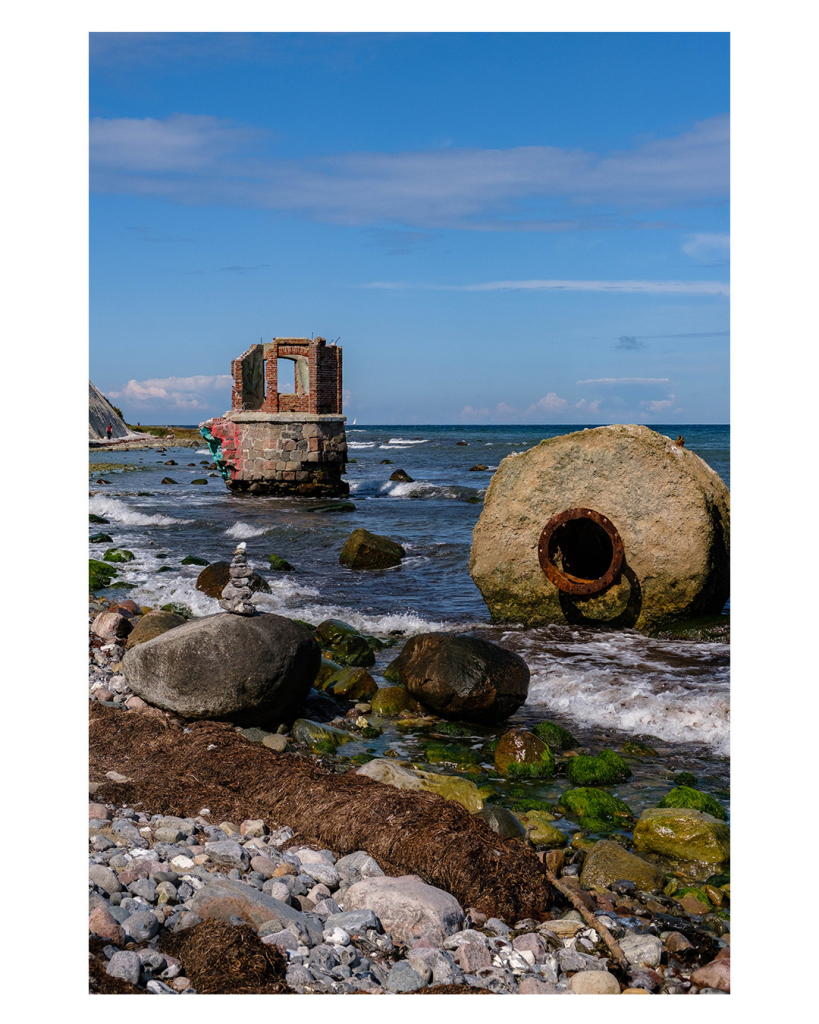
<point>243,531</point>
<point>202,451</point>
<point>633,684</point>
<point>402,440</point>
<point>361,444</point>
<point>120,512</point>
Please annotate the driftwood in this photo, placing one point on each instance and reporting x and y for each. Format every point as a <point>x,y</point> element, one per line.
<point>178,768</point>
<point>590,919</point>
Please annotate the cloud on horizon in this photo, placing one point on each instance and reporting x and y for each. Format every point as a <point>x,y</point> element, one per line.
<point>199,159</point>
<point>624,380</point>
<point>646,287</point>
<point>185,393</point>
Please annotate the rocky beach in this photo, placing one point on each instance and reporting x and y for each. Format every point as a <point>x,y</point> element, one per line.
<point>381,812</point>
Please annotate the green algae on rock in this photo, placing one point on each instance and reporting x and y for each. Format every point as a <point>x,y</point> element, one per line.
<point>99,520</point>
<point>351,684</point>
<point>520,754</point>
<point>322,738</point>
<point>278,564</point>
<point>634,748</point>
<point>541,831</point>
<point>450,787</point>
<point>554,736</point>
<point>118,555</point>
<point>454,755</point>
<point>100,538</point>
<point>99,574</point>
<point>365,550</point>
<point>685,796</point>
<point>194,560</point>
<point>606,769</point>
<point>681,833</point>
<point>392,700</point>
<point>595,804</point>
<point>502,821</point>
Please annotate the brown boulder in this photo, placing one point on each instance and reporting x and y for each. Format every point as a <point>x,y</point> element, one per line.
<point>607,862</point>
<point>521,753</point>
<point>365,550</point>
<point>213,579</point>
<point>151,625</point>
<point>460,677</point>
<point>112,625</point>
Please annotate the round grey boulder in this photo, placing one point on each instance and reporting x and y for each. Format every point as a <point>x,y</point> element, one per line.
<point>251,670</point>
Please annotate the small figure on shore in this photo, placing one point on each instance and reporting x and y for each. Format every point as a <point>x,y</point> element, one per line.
<point>680,442</point>
<point>109,430</point>
<point>236,594</point>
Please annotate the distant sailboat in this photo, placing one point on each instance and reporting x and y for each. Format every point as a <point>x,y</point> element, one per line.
<point>353,422</point>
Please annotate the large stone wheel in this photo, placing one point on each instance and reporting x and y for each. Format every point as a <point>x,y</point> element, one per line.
<point>616,526</point>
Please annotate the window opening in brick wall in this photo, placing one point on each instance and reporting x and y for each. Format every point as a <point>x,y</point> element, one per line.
<point>286,376</point>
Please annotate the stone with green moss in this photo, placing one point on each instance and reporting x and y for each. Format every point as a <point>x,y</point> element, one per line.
<point>541,831</point>
<point>608,862</point>
<point>99,574</point>
<point>681,833</point>
<point>278,564</point>
<point>323,738</point>
<point>100,538</point>
<point>634,748</point>
<point>118,555</point>
<point>460,730</point>
<point>392,700</point>
<point>502,821</point>
<point>351,684</point>
<point>606,769</point>
<point>327,669</point>
<point>360,759</point>
<point>330,631</point>
<point>521,755</point>
<point>685,796</point>
<point>450,787</point>
<point>519,806</point>
<point>100,520</point>
<point>194,560</point>
<point>554,736</point>
<point>595,804</point>
<point>685,779</point>
<point>391,672</point>
<point>165,568</point>
<point>454,755</point>
<point>177,609</point>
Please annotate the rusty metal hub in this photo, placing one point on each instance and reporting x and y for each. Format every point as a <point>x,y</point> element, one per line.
<point>580,551</point>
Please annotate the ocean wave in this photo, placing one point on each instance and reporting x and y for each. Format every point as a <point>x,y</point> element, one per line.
<point>202,451</point>
<point>361,444</point>
<point>402,440</point>
<point>423,489</point>
<point>244,531</point>
<point>120,512</point>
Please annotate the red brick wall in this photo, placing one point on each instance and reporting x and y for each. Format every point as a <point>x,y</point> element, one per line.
<point>324,366</point>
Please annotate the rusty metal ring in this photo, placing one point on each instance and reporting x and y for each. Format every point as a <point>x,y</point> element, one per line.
<point>547,548</point>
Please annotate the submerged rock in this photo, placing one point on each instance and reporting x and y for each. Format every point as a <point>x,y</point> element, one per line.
<point>278,564</point>
<point>595,804</point>
<point>365,550</point>
<point>686,796</point>
<point>503,822</point>
<point>606,769</point>
<point>118,555</point>
<point>460,677</point>
<point>99,574</point>
<point>323,738</point>
<point>402,477</point>
<point>249,670</point>
<point>554,736</point>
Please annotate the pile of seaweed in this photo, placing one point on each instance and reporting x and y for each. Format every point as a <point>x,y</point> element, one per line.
<point>176,767</point>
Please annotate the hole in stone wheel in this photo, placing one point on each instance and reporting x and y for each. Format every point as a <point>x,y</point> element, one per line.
<point>580,551</point>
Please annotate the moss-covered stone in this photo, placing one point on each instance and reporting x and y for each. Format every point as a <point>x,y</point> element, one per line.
<point>606,769</point>
<point>99,574</point>
<point>365,551</point>
<point>454,755</point>
<point>278,564</point>
<point>177,609</point>
<point>166,568</point>
<point>392,700</point>
<point>541,831</point>
<point>634,748</point>
<point>392,672</point>
<point>100,520</point>
<point>194,560</point>
<point>330,631</point>
<point>521,755</point>
<point>118,555</point>
<point>460,730</point>
<point>681,833</point>
<point>595,804</point>
<point>327,669</point>
<point>351,684</point>
<point>360,759</point>
<point>100,538</point>
<point>520,806</point>
<point>353,650</point>
<point>685,796</point>
<point>685,779</point>
<point>554,736</point>
<point>323,738</point>
<point>450,787</point>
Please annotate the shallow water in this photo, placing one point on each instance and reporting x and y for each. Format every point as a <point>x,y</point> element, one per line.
<point>604,686</point>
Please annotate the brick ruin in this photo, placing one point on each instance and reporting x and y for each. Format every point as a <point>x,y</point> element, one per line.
<point>281,443</point>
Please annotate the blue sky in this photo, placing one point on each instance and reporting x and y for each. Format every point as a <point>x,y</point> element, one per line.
<point>498,227</point>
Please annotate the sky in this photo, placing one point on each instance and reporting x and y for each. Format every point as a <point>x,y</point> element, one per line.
<point>497,227</point>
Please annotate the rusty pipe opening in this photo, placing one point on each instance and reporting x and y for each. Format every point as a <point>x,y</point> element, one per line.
<point>580,551</point>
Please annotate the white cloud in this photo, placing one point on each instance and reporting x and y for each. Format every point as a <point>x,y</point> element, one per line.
<point>661,405</point>
<point>550,403</point>
<point>588,406</point>
<point>708,248</point>
<point>488,189</point>
<point>173,392</point>
<point>625,380</point>
<point>646,287</point>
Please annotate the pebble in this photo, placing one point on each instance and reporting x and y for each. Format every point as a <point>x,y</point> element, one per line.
<point>598,983</point>
<point>125,964</point>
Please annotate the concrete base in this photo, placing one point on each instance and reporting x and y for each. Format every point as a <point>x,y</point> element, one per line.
<point>279,453</point>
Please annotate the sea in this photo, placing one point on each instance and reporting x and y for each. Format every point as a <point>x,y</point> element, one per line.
<point>605,686</point>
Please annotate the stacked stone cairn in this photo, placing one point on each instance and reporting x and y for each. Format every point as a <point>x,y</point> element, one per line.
<point>236,594</point>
